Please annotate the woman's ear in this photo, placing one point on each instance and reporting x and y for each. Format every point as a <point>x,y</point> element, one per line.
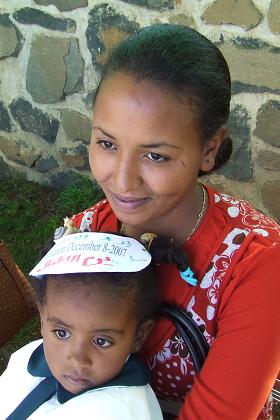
<point>211,148</point>
<point>142,334</point>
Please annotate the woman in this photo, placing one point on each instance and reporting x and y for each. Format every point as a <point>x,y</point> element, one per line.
<point>158,123</point>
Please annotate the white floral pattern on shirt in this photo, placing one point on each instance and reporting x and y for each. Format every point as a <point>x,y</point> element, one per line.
<point>174,350</point>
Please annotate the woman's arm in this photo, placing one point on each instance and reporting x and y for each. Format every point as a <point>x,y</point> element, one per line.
<point>244,359</point>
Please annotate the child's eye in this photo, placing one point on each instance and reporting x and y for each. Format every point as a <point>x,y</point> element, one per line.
<point>62,334</point>
<point>156,157</point>
<point>106,144</point>
<point>102,342</point>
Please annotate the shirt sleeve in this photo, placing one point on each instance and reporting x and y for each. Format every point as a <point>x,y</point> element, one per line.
<point>244,359</point>
<point>98,218</point>
<point>16,382</point>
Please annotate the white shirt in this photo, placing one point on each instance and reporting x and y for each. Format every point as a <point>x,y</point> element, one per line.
<point>108,403</point>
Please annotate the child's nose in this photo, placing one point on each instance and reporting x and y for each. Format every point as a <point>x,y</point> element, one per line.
<point>80,354</point>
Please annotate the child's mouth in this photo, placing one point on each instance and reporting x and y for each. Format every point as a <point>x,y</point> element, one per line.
<point>77,380</point>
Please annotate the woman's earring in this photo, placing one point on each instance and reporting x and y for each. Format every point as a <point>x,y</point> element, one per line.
<point>209,161</point>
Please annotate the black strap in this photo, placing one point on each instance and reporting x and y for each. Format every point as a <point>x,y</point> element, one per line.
<point>40,394</point>
<point>190,332</point>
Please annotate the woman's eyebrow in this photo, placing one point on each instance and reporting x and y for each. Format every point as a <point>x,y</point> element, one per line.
<point>104,132</point>
<point>156,144</point>
<point>160,144</point>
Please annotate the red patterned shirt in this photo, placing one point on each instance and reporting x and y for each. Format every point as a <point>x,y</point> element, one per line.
<point>235,255</point>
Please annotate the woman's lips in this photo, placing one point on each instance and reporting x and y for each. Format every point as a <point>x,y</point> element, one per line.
<point>127,203</point>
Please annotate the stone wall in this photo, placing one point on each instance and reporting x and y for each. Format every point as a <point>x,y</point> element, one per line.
<point>51,53</point>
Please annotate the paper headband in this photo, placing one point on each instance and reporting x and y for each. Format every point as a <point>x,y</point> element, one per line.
<point>89,252</point>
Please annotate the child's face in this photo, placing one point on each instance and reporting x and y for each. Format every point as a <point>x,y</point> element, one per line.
<point>87,335</point>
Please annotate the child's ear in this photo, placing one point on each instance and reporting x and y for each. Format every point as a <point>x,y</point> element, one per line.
<point>142,334</point>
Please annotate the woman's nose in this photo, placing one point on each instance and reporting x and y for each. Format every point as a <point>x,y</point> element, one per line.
<point>127,175</point>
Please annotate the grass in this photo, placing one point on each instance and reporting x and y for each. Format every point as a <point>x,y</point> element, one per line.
<point>31,212</point>
<point>29,215</point>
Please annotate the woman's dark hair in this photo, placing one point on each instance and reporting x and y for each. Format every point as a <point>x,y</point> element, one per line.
<point>186,62</point>
<point>142,283</point>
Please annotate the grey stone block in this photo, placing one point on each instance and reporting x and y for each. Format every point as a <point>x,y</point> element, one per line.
<point>34,120</point>
<point>32,16</point>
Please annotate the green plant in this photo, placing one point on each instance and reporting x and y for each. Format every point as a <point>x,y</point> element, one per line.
<point>25,211</point>
<point>78,196</point>
<point>31,212</point>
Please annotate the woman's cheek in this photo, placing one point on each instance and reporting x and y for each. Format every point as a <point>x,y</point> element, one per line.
<point>95,158</point>
<point>100,167</point>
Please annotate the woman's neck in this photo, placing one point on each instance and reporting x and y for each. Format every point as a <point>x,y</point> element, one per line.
<point>180,223</point>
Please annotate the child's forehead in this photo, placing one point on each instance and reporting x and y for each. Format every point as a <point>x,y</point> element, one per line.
<point>74,287</point>
<point>87,307</point>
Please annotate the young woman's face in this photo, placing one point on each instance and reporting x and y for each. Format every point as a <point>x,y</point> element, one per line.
<point>145,150</point>
<point>87,338</point>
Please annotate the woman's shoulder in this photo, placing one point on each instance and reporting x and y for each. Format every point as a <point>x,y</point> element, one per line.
<point>98,217</point>
<point>231,231</point>
<point>235,213</point>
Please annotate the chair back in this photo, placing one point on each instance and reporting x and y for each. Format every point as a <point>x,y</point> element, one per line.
<point>17,305</point>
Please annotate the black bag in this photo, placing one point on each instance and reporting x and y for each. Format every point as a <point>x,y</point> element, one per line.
<point>190,332</point>
<point>192,336</point>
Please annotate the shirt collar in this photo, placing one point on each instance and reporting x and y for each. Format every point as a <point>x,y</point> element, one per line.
<point>133,373</point>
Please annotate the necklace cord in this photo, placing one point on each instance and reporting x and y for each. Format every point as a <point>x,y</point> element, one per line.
<point>200,214</point>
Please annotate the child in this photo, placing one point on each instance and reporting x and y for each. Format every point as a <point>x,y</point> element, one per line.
<point>97,297</point>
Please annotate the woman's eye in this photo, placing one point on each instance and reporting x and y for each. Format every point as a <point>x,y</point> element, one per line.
<point>62,334</point>
<point>156,157</point>
<point>102,342</point>
<point>106,144</point>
